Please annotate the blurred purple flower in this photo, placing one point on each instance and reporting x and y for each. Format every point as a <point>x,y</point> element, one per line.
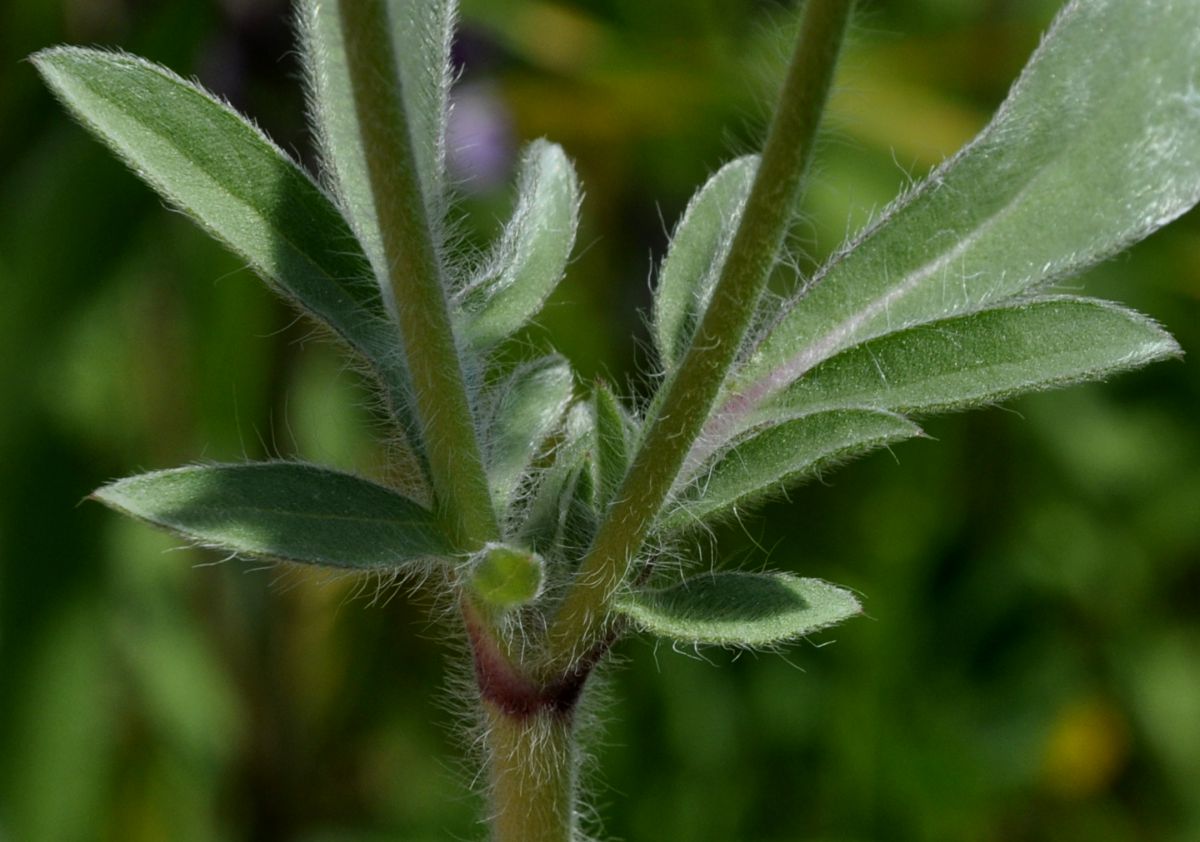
<point>480,143</point>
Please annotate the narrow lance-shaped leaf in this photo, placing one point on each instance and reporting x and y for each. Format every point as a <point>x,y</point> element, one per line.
<point>767,461</point>
<point>612,443</point>
<point>984,357</point>
<point>560,528</point>
<point>531,256</point>
<point>562,516</point>
<point>581,512</point>
<point>283,511</point>
<point>1097,145</point>
<point>227,176</point>
<point>739,609</point>
<point>695,257</point>
<point>418,37</point>
<point>528,407</point>
<point>840,408</point>
<point>544,521</point>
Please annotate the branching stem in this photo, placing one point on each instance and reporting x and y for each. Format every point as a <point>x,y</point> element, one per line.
<point>692,392</point>
<point>414,279</point>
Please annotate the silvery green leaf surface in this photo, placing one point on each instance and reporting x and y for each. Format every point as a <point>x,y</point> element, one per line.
<point>766,461</point>
<point>531,256</point>
<point>563,514</point>
<point>418,36</point>
<point>695,257</point>
<point>283,511</point>
<point>612,442</point>
<point>1096,146</point>
<point>226,175</point>
<point>982,357</point>
<point>529,405</point>
<point>581,513</point>
<point>544,521</point>
<point>739,609</point>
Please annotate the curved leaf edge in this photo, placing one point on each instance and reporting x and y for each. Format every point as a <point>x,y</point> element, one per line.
<point>1163,347</point>
<point>644,609</point>
<point>685,514</point>
<point>105,496</point>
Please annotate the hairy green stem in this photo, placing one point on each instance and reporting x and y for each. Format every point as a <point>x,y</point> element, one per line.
<point>414,278</point>
<point>532,770</point>
<point>691,393</point>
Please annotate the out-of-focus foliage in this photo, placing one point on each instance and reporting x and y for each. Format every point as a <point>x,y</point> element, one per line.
<point>1031,666</point>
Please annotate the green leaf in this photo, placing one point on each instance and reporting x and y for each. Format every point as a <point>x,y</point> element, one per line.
<point>418,38</point>
<point>739,609</point>
<point>531,256</point>
<point>695,257</point>
<point>769,460</point>
<point>984,357</point>
<point>284,511</point>
<point>529,405</point>
<point>543,525</point>
<point>581,512</point>
<point>1097,145</point>
<point>612,442</point>
<point>227,176</point>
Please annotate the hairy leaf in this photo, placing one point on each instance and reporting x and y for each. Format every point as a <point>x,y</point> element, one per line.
<point>532,253</point>
<point>739,609</point>
<point>767,461</point>
<point>226,175</point>
<point>1097,145</point>
<point>418,36</point>
<point>581,513</point>
<point>612,442</point>
<point>529,406</point>
<point>284,511</point>
<point>986,356</point>
<point>695,257</point>
<point>546,517</point>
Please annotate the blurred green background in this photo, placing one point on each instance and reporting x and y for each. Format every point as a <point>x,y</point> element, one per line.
<point>1030,669</point>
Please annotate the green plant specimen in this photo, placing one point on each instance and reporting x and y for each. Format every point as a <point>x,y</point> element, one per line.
<point>546,512</point>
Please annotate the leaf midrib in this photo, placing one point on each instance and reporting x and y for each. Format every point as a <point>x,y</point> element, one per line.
<point>291,167</point>
<point>307,515</point>
<point>721,425</point>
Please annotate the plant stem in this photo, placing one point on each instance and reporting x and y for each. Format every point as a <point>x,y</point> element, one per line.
<point>692,392</point>
<point>531,769</point>
<point>415,280</point>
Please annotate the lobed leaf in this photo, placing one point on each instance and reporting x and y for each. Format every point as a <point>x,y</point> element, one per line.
<point>739,609</point>
<point>418,38</point>
<point>529,407</point>
<point>532,253</point>
<point>283,511</point>
<point>204,158</point>
<point>696,255</point>
<point>983,357</point>
<point>1097,145</point>
<point>768,460</point>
